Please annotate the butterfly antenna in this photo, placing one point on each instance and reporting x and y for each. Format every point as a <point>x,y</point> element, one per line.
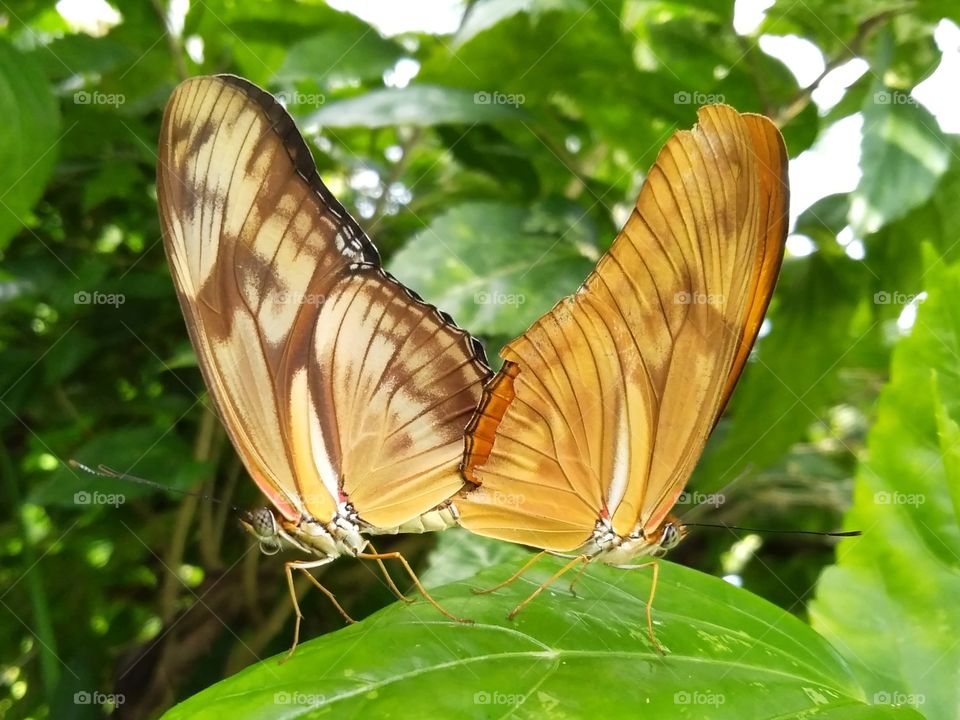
<point>104,471</point>
<point>767,531</point>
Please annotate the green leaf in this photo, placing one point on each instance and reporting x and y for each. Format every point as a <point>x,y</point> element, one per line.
<point>903,156</point>
<point>894,254</point>
<point>491,267</point>
<point>28,141</point>
<point>792,380</point>
<point>732,655</point>
<point>901,642</point>
<point>459,554</point>
<point>339,57</point>
<point>418,105</point>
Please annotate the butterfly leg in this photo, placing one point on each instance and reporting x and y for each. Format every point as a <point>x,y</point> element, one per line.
<point>653,589</point>
<point>576,578</point>
<point>390,584</point>
<point>546,583</point>
<point>526,566</point>
<point>416,581</point>
<point>305,566</point>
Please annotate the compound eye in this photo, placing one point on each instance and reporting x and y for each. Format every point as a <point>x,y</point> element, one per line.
<point>262,524</point>
<point>669,537</point>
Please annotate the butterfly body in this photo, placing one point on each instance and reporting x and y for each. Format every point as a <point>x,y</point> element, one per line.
<point>342,535</point>
<point>610,548</point>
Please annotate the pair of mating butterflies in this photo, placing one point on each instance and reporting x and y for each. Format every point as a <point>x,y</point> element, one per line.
<point>359,409</point>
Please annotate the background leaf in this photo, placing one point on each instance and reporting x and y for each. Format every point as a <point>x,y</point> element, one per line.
<point>491,150</point>
<point>28,149</point>
<point>901,645</point>
<point>905,141</point>
<point>491,266</point>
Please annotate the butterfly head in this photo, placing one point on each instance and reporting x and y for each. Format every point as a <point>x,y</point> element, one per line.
<point>667,536</point>
<point>327,540</point>
<point>262,524</point>
<point>614,549</point>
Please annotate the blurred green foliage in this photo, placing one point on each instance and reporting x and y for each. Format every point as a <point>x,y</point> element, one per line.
<point>491,165</point>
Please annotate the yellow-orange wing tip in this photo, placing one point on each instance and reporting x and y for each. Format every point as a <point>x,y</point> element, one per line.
<point>774,199</point>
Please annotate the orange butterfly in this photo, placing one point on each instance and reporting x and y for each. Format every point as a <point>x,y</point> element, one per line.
<point>344,393</point>
<point>586,437</point>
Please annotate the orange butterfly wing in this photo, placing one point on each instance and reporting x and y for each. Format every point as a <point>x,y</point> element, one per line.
<point>604,405</point>
<point>333,380</point>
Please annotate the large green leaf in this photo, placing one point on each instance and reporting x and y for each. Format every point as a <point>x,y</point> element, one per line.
<point>491,267</point>
<point>732,655</point>
<point>28,140</point>
<point>340,57</point>
<point>903,156</point>
<point>889,605</point>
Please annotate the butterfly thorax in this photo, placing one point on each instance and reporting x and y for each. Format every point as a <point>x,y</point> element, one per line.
<point>609,547</point>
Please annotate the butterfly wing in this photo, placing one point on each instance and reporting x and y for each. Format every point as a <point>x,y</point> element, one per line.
<point>333,380</point>
<point>604,405</point>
